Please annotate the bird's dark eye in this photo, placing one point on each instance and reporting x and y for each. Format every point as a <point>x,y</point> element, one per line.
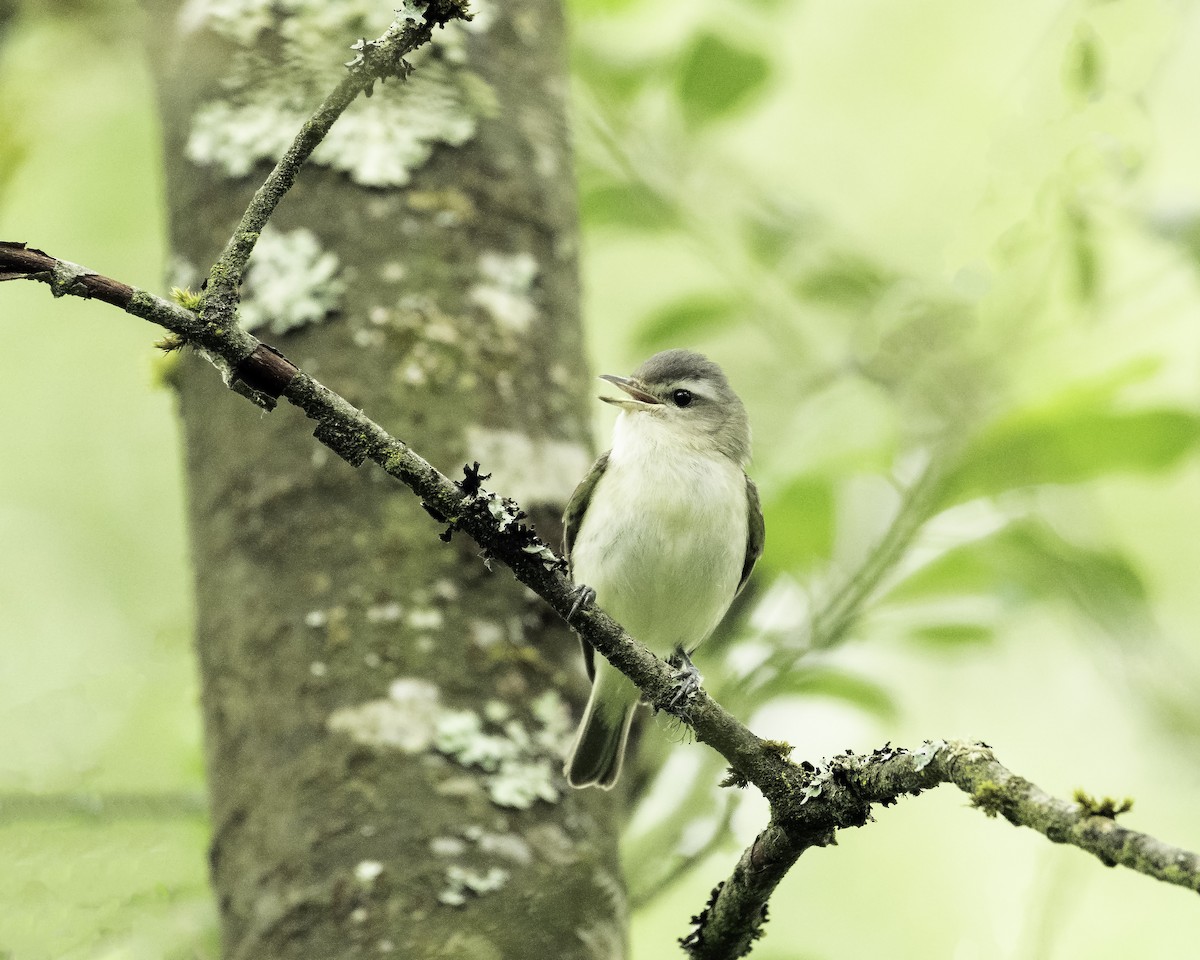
<point>681,397</point>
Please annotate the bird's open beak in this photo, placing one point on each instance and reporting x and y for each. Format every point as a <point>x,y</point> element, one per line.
<point>639,398</point>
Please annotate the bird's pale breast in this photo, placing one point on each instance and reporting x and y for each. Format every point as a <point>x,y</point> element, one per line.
<point>662,544</point>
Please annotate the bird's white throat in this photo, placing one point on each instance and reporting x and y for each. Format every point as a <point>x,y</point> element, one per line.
<point>648,433</point>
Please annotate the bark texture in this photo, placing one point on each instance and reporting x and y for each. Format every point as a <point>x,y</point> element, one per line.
<point>380,712</point>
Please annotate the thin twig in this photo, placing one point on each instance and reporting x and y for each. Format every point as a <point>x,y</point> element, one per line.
<point>830,624</point>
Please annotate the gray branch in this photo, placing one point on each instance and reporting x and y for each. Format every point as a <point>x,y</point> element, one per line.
<point>842,794</point>
<point>808,804</point>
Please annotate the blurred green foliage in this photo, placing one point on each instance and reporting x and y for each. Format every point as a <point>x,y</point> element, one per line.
<point>715,78</point>
<point>949,255</point>
<point>928,244</point>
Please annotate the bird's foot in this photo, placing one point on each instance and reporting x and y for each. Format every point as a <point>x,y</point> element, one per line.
<point>688,676</point>
<point>585,596</point>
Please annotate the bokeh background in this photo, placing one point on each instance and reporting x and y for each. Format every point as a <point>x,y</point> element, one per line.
<point>947,252</point>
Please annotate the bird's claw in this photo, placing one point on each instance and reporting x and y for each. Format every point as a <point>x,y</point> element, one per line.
<point>585,596</point>
<point>688,676</point>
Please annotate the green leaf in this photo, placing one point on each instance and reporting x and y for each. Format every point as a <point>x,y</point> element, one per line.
<point>634,206</point>
<point>771,231</point>
<point>832,682</point>
<point>973,568</point>
<point>1083,71</point>
<point>767,240</point>
<point>612,79</point>
<point>1181,229</point>
<point>686,320</point>
<point>12,151</point>
<point>1071,447</point>
<point>717,78</point>
<point>800,525</point>
<point>846,280</point>
<point>947,636</point>
<point>1085,259</point>
<point>1028,562</point>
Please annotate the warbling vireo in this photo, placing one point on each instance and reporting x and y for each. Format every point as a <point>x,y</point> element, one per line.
<point>662,532</point>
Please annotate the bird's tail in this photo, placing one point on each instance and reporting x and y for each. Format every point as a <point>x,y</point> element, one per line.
<point>595,759</point>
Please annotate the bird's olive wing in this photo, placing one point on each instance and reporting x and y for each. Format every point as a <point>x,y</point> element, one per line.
<point>572,519</point>
<point>756,532</point>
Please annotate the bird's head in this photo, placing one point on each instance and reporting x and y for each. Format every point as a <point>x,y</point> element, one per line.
<point>685,398</point>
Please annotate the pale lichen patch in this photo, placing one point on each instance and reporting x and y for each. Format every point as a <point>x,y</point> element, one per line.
<point>425,618</point>
<point>484,633</point>
<point>496,711</point>
<point>530,470</point>
<point>238,20</point>
<point>379,142</point>
<point>412,374</point>
<point>613,890</point>
<point>462,882</point>
<point>551,842</point>
<point>519,784</point>
<point>393,272</point>
<point>290,282</point>
<point>449,207</point>
<point>405,720</point>
<point>447,846</point>
<point>270,89</point>
<point>555,727</point>
<point>520,764</point>
<point>384,612</point>
<point>460,734</point>
<point>459,787</point>
<point>603,941</point>
<point>505,291</point>
<point>507,845</point>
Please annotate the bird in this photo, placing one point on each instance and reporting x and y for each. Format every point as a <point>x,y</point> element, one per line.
<point>663,532</point>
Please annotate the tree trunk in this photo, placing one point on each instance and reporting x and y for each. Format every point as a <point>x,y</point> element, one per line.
<point>382,713</point>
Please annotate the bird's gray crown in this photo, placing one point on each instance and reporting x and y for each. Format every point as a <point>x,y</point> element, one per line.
<point>671,366</point>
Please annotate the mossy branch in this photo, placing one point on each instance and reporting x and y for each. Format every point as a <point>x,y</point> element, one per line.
<point>843,792</point>
<point>808,804</point>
